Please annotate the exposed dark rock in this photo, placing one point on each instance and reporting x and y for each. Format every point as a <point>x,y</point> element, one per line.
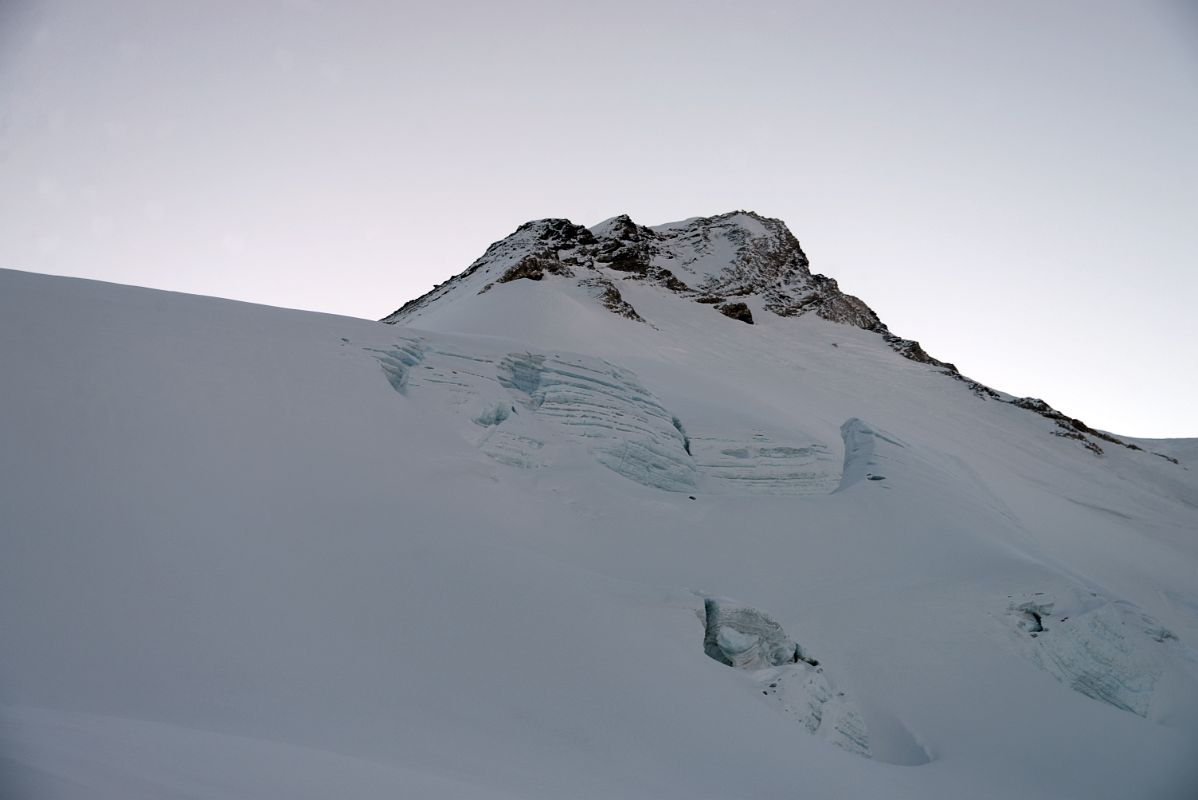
<point>671,282</point>
<point>626,246</point>
<point>1070,427</point>
<point>626,260</point>
<point>622,228</point>
<point>738,311</point>
<point>534,267</point>
<point>539,239</point>
<point>611,298</point>
<point>561,232</point>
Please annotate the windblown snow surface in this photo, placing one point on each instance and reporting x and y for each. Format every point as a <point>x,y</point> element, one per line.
<point>534,549</point>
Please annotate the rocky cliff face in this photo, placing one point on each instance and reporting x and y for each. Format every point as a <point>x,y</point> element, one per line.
<point>734,263</point>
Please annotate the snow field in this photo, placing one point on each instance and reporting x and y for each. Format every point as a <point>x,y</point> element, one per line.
<point>261,553</point>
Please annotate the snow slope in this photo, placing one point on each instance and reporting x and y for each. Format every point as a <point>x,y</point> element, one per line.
<point>252,552</point>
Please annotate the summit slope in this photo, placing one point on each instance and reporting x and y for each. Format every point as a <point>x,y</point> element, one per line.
<point>713,260</point>
<point>518,545</point>
<point>741,264</point>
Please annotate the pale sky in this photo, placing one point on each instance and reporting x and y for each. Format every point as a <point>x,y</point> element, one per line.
<point>1015,184</point>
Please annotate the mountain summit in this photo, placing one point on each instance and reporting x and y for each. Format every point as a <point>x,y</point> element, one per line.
<point>730,262</point>
<point>743,265</point>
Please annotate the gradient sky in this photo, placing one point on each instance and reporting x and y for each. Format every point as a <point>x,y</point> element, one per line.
<point>1015,184</point>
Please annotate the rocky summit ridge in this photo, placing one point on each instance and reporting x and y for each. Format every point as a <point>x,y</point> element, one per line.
<point>713,260</point>
<point>721,261</point>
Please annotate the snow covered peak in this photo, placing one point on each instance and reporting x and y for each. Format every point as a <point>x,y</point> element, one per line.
<point>740,264</point>
<point>737,251</point>
<point>718,261</point>
<point>618,227</point>
<point>677,275</point>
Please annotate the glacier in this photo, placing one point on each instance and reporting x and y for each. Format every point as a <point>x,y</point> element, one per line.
<point>254,552</point>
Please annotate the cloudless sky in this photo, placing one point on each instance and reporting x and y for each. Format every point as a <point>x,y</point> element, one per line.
<point>1015,184</point>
